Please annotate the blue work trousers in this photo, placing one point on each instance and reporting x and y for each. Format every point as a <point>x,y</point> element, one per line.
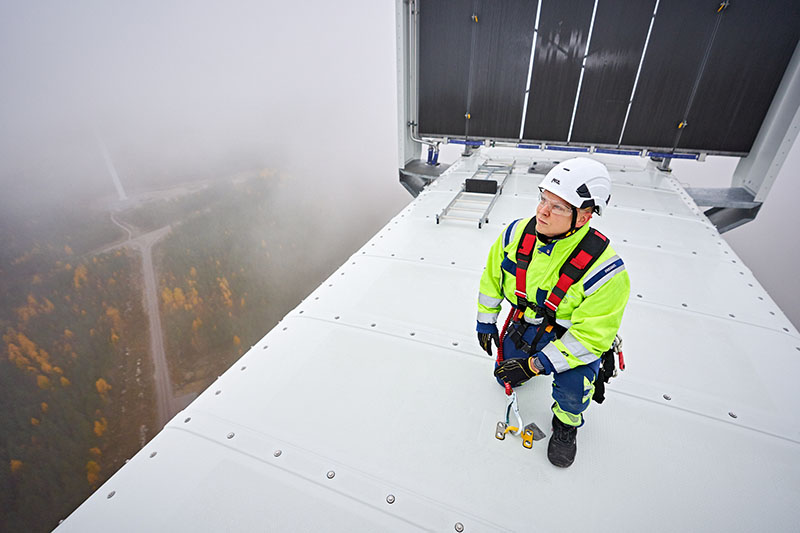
<point>572,389</point>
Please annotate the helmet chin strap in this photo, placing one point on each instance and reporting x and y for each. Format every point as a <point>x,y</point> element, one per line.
<point>574,220</point>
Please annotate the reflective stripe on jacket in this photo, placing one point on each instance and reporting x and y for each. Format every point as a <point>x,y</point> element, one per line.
<point>591,310</point>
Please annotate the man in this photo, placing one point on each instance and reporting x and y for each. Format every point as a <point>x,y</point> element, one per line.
<point>550,335</point>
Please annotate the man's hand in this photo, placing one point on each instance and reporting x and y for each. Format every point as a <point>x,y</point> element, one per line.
<point>517,371</point>
<point>485,340</point>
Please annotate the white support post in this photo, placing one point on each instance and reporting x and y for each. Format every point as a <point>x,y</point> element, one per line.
<point>757,172</point>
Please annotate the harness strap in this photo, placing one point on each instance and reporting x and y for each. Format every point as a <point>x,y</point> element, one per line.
<point>524,256</point>
<point>577,264</point>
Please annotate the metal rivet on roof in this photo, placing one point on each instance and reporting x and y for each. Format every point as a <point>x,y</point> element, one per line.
<point>336,317</point>
<point>638,295</point>
<point>265,347</point>
<point>373,325</point>
<point>231,435</point>
<point>111,494</point>
<point>452,262</point>
<point>153,454</point>
<point>658,246</point>
<point>301,311</point>
<point>459,527</point>
<point>284,329</point>
<point>277,453</point>
<point>455,343</point>
<point>392,255</point>
<point>217,393</point>
<point>786,330</point>
<point>390,499</point>
<point>733,415</point>
<point>684,305</point>
<point>341,274</point>
<point>695,253</point>
<point>422,259</point>
<point>331,474</point>
<point>243,368</point>
<point>667,397</point>
<point>412,333</point>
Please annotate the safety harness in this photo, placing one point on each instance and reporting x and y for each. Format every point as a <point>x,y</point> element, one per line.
<point>577,264</point>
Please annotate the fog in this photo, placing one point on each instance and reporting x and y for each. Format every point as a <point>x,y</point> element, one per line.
<point>181,89</point>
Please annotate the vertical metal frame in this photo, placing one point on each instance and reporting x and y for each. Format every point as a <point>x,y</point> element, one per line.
<point>757,172</point>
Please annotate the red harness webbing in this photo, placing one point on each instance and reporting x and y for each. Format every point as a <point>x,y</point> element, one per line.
<point>578,263</point>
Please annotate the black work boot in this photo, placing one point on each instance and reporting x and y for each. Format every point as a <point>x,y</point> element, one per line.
<point>561,449</point>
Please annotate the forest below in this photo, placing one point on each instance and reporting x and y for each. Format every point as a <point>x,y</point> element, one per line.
<point>77,395</point>
<point>75,400</point>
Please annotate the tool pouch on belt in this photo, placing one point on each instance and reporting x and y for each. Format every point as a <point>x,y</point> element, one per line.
<point>606,372</point>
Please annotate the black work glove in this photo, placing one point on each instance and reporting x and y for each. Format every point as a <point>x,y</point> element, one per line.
<point>485,340</point>
<point>515,372</point>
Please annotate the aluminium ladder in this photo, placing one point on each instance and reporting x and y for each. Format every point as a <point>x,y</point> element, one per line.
<point>478,193</point>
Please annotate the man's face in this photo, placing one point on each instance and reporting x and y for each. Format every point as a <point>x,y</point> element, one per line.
<point>554,215</point>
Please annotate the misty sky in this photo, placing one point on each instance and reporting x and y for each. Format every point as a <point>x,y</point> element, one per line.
<point>179,89</point>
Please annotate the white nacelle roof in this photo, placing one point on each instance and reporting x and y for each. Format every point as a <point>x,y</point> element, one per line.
<point>376,379</point>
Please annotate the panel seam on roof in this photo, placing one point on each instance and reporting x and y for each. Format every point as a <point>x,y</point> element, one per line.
<point>370,330</point>
<point>328,486</point>
<point>416,261</point>
<point>700,413</point>
<point>684,310</point>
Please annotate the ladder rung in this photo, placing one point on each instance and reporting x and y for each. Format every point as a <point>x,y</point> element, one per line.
<point>461,218</point>
<point>468,201</point>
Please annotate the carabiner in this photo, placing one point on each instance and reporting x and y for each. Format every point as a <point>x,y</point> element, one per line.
<point>513,406</point>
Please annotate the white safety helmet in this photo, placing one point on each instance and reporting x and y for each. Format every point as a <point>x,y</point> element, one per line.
<point>581,181</point>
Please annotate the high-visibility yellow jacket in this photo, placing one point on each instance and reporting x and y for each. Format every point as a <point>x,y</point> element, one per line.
<point>591,310</point>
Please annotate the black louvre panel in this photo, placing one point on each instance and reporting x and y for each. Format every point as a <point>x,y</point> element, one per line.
<point>500,67</point>
<point>678,42</point>
<point>610,71</point>
<point>563,31</point>
<point>752,47</point>
<point>445,36</point>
